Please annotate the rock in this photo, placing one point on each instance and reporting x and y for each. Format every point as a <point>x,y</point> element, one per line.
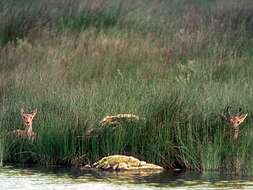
<point>122,163</point>
<point>87,166</point>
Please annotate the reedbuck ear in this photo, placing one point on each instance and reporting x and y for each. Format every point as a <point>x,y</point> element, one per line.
<point>222,116</point>
<point>22,111</point>
<point>225,115</point>
<point>243,117</point>
<point>34,112</point>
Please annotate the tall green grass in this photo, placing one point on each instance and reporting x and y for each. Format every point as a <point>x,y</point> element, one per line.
<point>176,70</point>
<point>1,151</point>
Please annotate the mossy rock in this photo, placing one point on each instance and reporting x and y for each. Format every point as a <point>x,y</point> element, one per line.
<point>122,162</point>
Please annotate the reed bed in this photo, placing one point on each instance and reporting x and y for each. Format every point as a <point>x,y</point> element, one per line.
<point>176,65</point>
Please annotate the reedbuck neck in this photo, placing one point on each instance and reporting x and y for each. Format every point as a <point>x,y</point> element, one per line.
<point>234,120</point>
<point>27,118</point>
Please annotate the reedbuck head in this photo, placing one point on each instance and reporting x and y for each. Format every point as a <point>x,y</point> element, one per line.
<point>234,120</point>
<point>27,117</point>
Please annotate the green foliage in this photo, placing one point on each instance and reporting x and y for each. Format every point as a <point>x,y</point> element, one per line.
<point>175,71</point>
<point>1,150</point>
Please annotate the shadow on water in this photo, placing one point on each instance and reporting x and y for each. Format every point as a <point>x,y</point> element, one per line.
<point>114,180</point>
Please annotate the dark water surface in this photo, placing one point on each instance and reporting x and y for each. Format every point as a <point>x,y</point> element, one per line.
<point>27,178</point>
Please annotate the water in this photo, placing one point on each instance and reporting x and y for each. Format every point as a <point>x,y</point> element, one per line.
<point>66,179</point>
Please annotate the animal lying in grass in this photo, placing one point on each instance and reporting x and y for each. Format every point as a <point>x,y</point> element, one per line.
<point>116,119</point>
<point>234,121</point>
<point>27,118</point>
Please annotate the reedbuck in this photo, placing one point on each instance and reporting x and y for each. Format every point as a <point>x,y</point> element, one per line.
<point>234,120</point>
<point>27,118</point>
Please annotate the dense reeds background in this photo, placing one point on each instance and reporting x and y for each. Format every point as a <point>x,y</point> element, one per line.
<point>176,64</point>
